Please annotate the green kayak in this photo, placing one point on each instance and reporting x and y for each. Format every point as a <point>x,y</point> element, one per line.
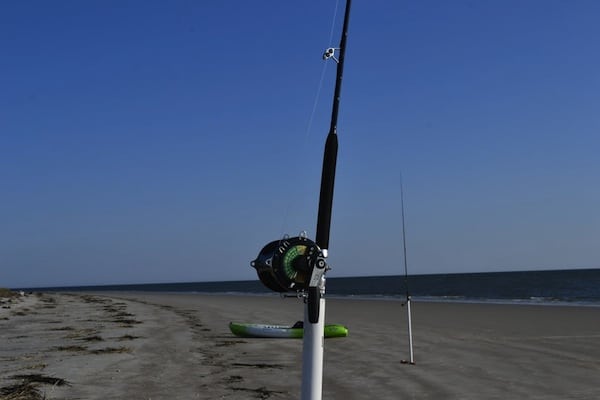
<point>295,331</point>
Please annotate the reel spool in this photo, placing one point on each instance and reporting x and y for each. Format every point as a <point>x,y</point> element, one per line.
<point>287,265</point>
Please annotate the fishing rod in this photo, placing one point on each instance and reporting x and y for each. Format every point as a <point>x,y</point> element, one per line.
<point>331,148</point>
<point>298,263</point>
<point>410,341</point>
<point>312,352</point>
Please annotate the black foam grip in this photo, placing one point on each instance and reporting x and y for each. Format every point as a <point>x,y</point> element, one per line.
<point>326,196</point>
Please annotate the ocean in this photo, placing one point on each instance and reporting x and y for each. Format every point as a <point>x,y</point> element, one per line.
<point>555,287</point>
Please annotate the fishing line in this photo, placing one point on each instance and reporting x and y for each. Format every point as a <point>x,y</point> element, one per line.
<point>311,118</point>
<point>335,10</point>
<point>323,70</point>
<point>315,103</point>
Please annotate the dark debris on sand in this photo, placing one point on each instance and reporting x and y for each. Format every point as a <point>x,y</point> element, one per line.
<point>111,350</point>
<point>21,391</point>
<point>258,365</point>
<point>260,393</point>
<point>38,378</point>
<point>27,389</point>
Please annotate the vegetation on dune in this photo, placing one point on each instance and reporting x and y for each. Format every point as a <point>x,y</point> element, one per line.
<point>7,293</point>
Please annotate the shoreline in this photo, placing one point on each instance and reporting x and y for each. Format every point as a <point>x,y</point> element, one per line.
<point>535,301</point>
<point>158,345</point>
<point>391,298</point>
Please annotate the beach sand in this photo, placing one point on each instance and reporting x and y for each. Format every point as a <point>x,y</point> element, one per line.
<point>178,346</point>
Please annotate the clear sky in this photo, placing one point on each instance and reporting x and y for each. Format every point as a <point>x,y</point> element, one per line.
<point>168,141</point>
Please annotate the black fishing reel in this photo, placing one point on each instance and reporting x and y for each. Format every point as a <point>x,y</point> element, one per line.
<point>294,264</point>
<point>288,264</point>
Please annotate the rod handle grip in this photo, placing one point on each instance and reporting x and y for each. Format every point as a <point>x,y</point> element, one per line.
<point>314,304</point>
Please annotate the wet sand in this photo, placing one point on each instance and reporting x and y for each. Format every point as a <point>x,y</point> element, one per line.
<point>178,346</point>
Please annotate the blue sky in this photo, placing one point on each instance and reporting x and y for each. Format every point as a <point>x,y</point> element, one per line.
<point>152,141</point>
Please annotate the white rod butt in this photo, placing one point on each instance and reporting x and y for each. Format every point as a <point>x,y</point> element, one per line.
<point>312,355</point>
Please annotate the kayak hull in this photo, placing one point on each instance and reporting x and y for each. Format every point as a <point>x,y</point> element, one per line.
<point>282,331</point>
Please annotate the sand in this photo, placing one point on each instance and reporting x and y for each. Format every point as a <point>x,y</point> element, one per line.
<point>178,346</point>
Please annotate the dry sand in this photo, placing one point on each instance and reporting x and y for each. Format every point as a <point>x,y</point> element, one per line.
<point>178,346</point>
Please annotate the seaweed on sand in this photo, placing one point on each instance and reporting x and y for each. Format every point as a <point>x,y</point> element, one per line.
<point>27,389</point>
<point>225,343</point>
<point>260,393</point>
<point>258,365</point>
<point>63,328</point>
<point>81,333</point>
<point>91,299</point>
<point>126,321</point>
<point>127,337</point>
<point>19,313</point>
<point>70,348</point>
<point>94,338</point>
<point>109,350</point>
<point>21,391</point>
<point>39,378</point>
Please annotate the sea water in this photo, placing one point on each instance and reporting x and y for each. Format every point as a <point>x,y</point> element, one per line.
<point>558,287</point>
